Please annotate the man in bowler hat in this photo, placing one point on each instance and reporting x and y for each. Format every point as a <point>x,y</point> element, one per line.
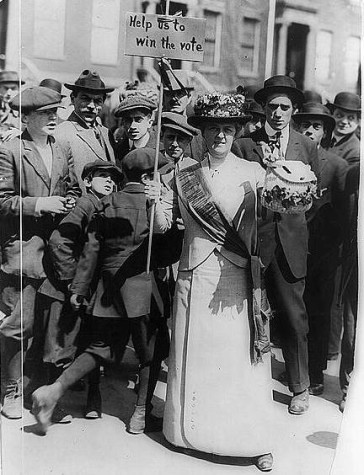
<point>283,238</point>
<point>88,138</point>
<point>325,237</point>
<point>38,182</point>
<point>346,111</point>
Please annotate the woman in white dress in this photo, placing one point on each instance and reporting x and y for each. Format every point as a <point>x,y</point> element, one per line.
<point>219,397</point>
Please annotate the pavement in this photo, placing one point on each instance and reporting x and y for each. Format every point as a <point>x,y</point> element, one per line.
<point>305,445</point>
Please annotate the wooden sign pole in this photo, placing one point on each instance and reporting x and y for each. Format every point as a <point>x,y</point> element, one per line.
<point>156,174</point>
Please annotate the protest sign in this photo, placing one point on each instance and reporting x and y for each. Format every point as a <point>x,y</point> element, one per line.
<point>167,36</point>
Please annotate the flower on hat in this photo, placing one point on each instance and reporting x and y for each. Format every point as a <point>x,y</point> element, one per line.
<point>220,105</point>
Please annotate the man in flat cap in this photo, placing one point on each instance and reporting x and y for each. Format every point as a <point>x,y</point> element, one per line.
<point>38,183</point>
<point>88,138</point>
<point>137,116</point>
<point>326,234</point>
<point>284,237</point>
<point>9,87</point>
<point>346,110</point>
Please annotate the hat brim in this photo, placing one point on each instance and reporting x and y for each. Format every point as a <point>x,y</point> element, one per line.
<point>75,87</point>
<point>180,129</point>
<point>188,88</point>
<point>333,105</point>
<point>118,174</point>
<point>57,105</point>
<point>296,95</point>
<point>124,111</point>
<point>300,116</point>
<point>12,82</point>
<point>198,120</point>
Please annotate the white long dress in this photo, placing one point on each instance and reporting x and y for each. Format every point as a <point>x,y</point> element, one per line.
<point>217,400</point>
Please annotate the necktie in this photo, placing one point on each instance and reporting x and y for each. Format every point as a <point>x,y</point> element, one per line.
<point>274,142</point>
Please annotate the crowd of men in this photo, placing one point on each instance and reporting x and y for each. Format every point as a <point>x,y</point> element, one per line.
<point>73,286</point>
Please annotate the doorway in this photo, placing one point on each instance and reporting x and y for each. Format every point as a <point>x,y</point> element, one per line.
<point>296,53</point>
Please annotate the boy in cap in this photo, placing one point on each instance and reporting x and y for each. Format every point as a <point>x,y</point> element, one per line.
<point>116,236</point>
<point>38,183</point>
<point>284,237</point>
<point>137,117</point>
<point>88,138</point>
<point>346,110</point>
<point>56,340</point>
<point>325,229</point>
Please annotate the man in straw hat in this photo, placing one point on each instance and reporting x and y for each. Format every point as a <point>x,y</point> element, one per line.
<point>9,87</point>
<point>284,237</point>
<point>88,138</point>
<point>325,237</point>
<point>346,111</point>
<point>43,190</point>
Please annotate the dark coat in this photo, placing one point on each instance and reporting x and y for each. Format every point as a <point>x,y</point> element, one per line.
<point>67,241</point>
<point>325,218</point>
<point>113,237</point>
<point>348,148</point>
<point>85,146</point>
<point>122,148</point>
<point>24,179</point>
<point>290,230</point>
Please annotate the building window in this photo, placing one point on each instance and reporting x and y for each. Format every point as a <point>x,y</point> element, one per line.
<point>249,43</point>
<point>352,61</point>
<point>323,55</point>
<point>49,28</point>
<point>105,31</point>
<point>212,38</point>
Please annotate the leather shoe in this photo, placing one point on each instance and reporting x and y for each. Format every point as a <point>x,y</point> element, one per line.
<point>316,389</point>
<point>299,403</point>
<point>264,462</point>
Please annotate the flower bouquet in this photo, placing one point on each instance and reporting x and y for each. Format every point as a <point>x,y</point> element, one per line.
<point>289,187</point>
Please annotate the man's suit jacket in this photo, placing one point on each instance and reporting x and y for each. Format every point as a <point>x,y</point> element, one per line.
<point>113,238</point>
<point>85,146</point>
<point>23,179</point>
<point>325,218</point>
<point>289,230</point>
<point>122,148</point>
<point>348,148</point>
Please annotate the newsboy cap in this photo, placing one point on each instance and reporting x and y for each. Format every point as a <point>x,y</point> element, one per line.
<point>102,165</point>
<point>178,122</point>
<point>347,101</point>
<point>10,76</point>
<point>89,81</point>
<point>312,110</point>
<point>279,84</point>
<point>135,101</point>
<point>36,98</point>
<point>141,160</point>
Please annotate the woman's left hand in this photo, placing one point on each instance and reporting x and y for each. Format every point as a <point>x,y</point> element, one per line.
<point>152,189</point>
